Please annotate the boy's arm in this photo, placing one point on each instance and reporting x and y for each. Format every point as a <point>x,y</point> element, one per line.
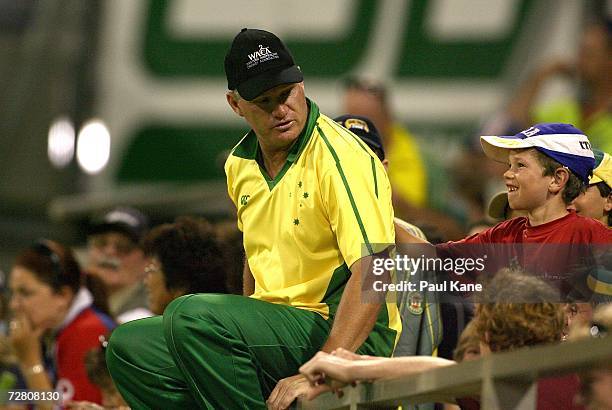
<point>402,235</point>
<point>330,366</point>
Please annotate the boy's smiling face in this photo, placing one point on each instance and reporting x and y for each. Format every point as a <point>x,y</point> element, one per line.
<point>528,188</point>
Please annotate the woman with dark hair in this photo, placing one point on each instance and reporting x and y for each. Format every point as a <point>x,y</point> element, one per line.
<point>55,321</point>
<point>184,257</point>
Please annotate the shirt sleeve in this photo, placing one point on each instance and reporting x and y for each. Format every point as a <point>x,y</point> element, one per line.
<point>357,195</point>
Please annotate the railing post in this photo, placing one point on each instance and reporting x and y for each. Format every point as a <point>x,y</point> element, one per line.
<point>508,394</point>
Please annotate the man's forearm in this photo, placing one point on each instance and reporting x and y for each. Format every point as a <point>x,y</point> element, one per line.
<point>354,320</point>
<point>248,281</point>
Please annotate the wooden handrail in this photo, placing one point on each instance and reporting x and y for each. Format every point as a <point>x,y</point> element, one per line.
<point>517,371</point>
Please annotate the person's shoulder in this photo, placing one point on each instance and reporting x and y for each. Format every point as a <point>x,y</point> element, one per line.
<point>508,231</point>
<point>503,228</point>
<point>244,151</point>
<point>331,129</point>
<point>87,325</point>
<point>596,230</point>
<point>91,318</point>
<point>339,141</point>
<point>246,148</point>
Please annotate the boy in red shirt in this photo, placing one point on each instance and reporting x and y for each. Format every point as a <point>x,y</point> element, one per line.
<point>549,166</point>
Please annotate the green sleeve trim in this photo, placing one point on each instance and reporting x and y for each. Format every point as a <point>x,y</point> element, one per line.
<point>348,190</point>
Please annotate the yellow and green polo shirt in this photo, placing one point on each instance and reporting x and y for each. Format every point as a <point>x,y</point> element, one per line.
<point>329,206</point>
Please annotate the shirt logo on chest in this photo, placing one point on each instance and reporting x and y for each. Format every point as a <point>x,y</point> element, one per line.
<point>244,200</point>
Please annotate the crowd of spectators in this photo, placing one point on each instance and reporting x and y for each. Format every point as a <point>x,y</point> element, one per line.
<point>61,311</point>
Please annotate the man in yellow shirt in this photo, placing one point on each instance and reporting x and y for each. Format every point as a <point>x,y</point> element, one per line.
<point>313,204</point>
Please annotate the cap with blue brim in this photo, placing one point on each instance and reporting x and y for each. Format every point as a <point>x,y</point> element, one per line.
<point>564,143</point>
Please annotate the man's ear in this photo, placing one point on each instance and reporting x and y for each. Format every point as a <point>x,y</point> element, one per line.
<point>560,178</point>
<point>385,163</point>
<point>608,204</point>
<point>233,103</point>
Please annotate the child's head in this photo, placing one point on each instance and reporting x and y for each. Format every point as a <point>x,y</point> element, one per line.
<point>468,346</point>
<point>545,161</point>
<point>517,310</point>
<point>596,202</point>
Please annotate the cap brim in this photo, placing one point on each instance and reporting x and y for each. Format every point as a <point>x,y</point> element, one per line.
<point>114,227</point>
<point>253,87</point>
<point>497,147</point>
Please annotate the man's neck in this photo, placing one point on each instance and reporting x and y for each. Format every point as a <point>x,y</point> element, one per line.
<point>549,212</point>
<point>274,160</point>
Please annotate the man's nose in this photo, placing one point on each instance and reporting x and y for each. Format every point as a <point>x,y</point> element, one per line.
<point>280,110</point>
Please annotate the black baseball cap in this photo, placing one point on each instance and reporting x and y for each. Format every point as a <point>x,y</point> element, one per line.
<point>258,61</point>
<point>126,220</point>
<point>365,129</point>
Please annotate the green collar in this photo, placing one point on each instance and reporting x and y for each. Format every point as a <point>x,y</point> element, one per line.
<point>298,146</point>
<point>248,147</point>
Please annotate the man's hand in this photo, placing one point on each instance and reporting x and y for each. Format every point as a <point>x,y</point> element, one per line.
<point>290,388</point>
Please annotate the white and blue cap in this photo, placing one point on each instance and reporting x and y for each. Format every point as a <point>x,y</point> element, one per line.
<point>564,143</point>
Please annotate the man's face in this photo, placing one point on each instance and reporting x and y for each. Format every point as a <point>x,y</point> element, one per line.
<point>591,204</point>
<point>527,187</point>
<point>362,102</point>
<point>277,116</point>
<point>115,259</point>
<point>159,295</point>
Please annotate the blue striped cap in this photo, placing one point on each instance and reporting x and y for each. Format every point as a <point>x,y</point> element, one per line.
<point>564,143</point>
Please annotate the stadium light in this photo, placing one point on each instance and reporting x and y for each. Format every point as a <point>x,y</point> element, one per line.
<point>60,142</point>
<point>93,147</point>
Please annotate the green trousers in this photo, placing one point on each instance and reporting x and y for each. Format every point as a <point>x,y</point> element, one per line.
<point>213,352</point>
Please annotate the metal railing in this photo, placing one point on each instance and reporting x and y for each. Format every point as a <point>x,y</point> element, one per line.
<point>503,381</point>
